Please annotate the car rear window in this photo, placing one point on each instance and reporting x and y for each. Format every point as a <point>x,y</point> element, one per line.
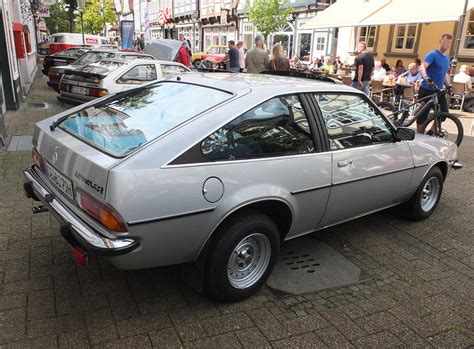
<point>126,123</point>
<point>91,57</point>
<point>102,68</point>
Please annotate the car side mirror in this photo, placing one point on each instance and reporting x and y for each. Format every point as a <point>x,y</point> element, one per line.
<point>405,134</point>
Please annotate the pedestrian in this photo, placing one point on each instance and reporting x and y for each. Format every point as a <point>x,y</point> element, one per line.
<point>240,47</point>
<point>379,72</point>
<point>435,69</point>
<point>364,63</point>
<point>279,62</point>
<point>256,59</point>
<point>140,44</point>
<point>463,77</point>
<point>186,42</point>
<point>231,57</point>
<point>183,55</point>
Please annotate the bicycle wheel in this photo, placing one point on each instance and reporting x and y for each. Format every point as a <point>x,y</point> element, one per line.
<point>387,109</point>
<point>451,128</point>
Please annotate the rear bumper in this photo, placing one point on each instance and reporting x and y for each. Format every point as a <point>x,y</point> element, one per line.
<point>73,228</point>
<point>72,99</point>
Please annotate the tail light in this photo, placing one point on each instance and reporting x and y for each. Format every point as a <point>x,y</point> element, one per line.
<point>37,159</point>
<point>97,92</point>
<point>63,87</point>
<point>101,212</point>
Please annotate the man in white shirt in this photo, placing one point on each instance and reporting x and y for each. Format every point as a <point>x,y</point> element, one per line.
<point>463,77</point>
<point>379,72</point>
<point>240,47</point>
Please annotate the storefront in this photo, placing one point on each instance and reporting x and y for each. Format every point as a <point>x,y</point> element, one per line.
<point>191,33</point>
<point>285,36</point>
<point>218,35</point>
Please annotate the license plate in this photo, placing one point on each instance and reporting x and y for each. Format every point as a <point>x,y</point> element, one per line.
<point>61,181</point>
<point>79,90</point>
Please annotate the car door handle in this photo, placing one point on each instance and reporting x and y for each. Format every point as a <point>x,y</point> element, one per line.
<point>342,163</point>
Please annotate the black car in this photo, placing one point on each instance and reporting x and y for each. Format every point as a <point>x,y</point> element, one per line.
<point>62,58</point>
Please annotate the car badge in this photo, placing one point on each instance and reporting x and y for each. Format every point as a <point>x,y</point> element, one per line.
<point>55,155</point>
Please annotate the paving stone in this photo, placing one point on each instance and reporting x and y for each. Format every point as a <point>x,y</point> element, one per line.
<point>333,338</point>
<point>56,325</point>
<point>26,286</point>
<point>12,332</point>
<point>138,342</point>
<point>142,324</point>
<point>191,332</point>
<point>36,343</point>
<point>408,336</point>
<point>165,338</point>
<point>101,326</point>
<point>41,305</point>
<point>252,338</point>
<point>454,338</point>
<point>12,301</point>
<point>378,340</point>
<point>227,340</point>
<point>305,324</point>
<point>226,323</point>
<point>78,305</point>
<point>271,328</point>
<point>343,323</point>
<point>377,322</point>
<point>308,340</point>
<point>74,340</point>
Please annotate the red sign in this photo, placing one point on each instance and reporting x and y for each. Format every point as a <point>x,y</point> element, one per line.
<point>164,15</point>
<point>92,41</point>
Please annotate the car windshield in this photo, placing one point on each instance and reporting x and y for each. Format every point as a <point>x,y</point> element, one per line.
<point>91,57</point>
<point>140,116</point>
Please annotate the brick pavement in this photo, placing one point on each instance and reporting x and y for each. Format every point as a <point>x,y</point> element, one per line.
<point>418,288</point>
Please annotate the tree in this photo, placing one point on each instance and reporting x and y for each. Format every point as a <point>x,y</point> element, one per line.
<point>268,15</point>
<point>58,18</point>
<point>71,7</point>
<point>96,14</point>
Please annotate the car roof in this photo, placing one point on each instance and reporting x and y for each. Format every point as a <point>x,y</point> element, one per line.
<point>268,84</point>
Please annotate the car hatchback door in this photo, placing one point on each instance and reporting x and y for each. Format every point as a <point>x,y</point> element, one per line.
<point>370,169</point>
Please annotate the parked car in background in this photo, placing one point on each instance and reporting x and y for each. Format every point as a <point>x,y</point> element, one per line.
<point>62,58</point>
<point>216,170</point>
<point>62,41</point>
<point>113,75</point>
<point>56,73</point>
<point>43,49</point>
<point>214,52</point>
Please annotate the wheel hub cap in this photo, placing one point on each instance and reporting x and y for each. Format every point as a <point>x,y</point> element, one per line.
<point>430,194</point>
<point>249,261</point>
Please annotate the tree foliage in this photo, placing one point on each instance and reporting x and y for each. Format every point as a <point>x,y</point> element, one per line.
<point>268,15</point>
<point>61,14</point>
<point>96,14</point>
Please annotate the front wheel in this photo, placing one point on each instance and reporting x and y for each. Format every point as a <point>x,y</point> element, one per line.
<point>423,203</point>
<point>451,128</point>
<point>197,63</point>
<point>241,257</point>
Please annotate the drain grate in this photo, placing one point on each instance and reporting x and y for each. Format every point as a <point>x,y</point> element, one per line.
<point>35,106</point>
<point>20,143</point>
<point>308,265</point>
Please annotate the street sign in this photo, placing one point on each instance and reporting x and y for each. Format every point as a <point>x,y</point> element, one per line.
<point>81,5</point>
<point>43,11</point>
<point>42,26</point>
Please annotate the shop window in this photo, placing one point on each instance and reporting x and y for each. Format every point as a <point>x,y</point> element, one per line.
<point>26,36</point>
<point>467,44</point>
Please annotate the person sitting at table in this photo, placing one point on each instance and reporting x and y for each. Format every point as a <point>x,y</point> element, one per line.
<point>463,77</point>
<point>315,65</point>
<point>410,77</point>
<point>378,72</point>
<point>417,62</point>
<point>328,66</point>
<point>385,65</point>
<point>399,68</point>
<point>294,62</point>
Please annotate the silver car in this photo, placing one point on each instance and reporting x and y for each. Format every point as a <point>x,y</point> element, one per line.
<point>113,75</point>
<point>215,171</point>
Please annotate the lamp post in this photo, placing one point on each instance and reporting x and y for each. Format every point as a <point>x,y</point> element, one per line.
<point>81,5</point>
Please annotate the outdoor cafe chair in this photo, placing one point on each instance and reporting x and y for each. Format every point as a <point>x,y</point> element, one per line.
<point>459,92</point>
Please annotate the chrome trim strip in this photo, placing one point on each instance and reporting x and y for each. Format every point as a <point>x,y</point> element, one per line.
<point>422,165</point>
<point>171,216</point>
<point>295,192</point>
<point>85,232</point>
<point>374,176</point>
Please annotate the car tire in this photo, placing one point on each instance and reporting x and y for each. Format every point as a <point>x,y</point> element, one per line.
<point>241,257</point>
<point>425,200</point>
<point>197,63</point>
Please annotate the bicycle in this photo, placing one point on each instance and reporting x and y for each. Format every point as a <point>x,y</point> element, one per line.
<point>438,124</point>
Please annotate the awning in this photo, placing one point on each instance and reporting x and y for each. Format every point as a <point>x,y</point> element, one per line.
<point>417,11</point>
<point>345,14</point>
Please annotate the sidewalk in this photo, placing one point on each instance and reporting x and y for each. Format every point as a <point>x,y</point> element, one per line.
<point>417,288</point>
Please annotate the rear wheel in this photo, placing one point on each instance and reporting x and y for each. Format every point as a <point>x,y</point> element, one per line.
<point>451,128</point>
<point>387,109</point>
<point>197,63</point>
<point>423,203</point>
<point>241,257</point>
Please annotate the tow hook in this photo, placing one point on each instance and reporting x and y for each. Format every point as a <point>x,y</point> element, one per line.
<point>456,165</point>
<point>39,209</point>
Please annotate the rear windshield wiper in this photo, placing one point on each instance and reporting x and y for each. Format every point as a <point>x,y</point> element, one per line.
<point>106,100</point>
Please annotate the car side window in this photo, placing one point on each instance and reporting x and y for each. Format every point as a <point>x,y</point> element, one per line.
<point>170,69</point>
<point>352,122</point>
<point>277,127</point>
<point>139,74</point>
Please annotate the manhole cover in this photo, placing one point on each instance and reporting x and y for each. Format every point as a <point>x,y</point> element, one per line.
<point>308,265</point>
<point>20,143</point>
<point>35,106</point>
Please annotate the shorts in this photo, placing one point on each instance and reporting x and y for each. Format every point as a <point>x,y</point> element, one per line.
<point>443,102</point>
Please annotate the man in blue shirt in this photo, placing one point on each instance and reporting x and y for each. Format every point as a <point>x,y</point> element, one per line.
<point>435,67</point>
